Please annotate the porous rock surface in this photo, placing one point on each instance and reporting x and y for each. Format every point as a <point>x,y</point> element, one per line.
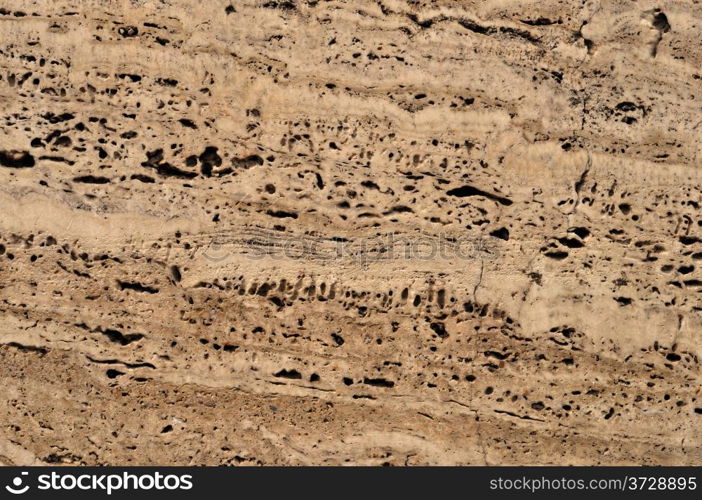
<point>350,232</point>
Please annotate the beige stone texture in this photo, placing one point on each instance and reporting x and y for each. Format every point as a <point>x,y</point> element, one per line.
<point>363,232</point>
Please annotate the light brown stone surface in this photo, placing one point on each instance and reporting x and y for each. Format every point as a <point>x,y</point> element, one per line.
<point>350,232</point>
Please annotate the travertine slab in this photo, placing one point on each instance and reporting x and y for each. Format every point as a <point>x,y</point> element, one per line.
<point>350,232</point>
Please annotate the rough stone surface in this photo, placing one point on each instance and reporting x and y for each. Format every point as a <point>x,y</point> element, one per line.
<point>350,232</point>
